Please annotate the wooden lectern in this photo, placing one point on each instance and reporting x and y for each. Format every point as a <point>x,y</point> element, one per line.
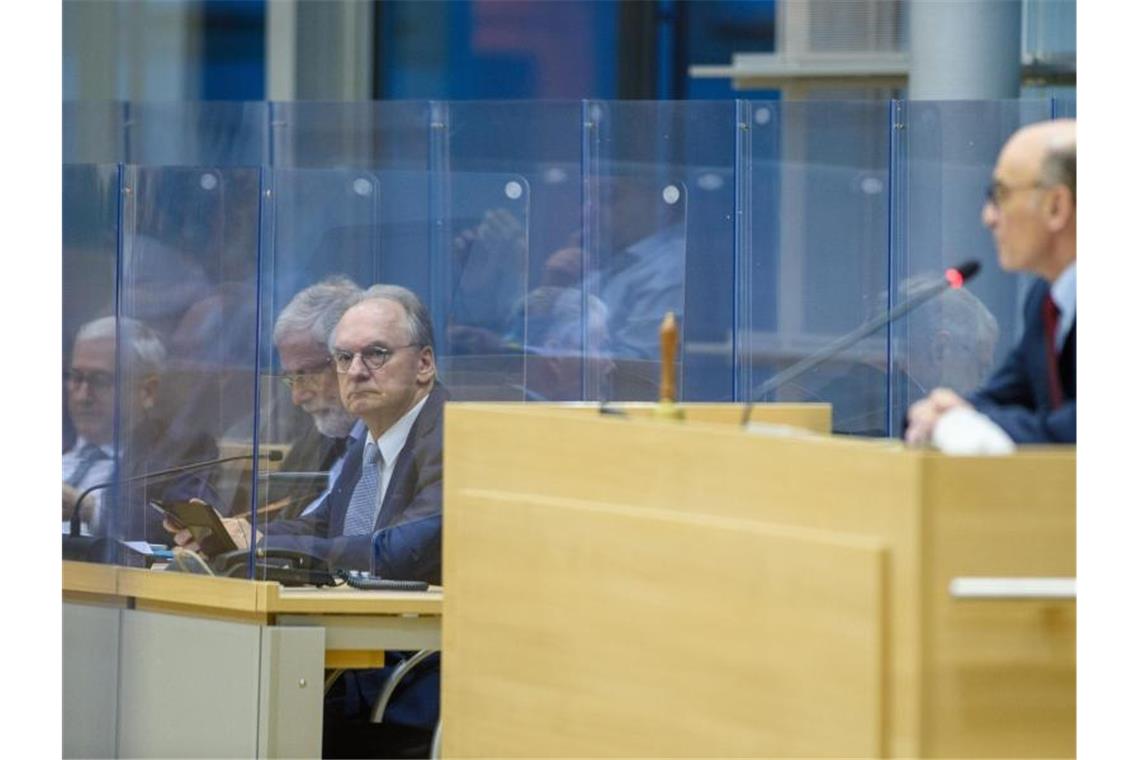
<point>625,586</point>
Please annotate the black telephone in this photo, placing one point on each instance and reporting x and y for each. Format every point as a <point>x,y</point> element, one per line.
<point>287,567</point>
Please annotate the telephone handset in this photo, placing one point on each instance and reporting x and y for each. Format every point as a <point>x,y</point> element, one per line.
<point>286,566</point>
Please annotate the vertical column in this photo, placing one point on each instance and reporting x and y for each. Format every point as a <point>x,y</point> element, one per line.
<point>281,50</point>
<point>593,113</point>
<point>965,49</point>
<point>319,50</point>
<point>742,255</point>
<point>440,213</point>
<point>897,262</point>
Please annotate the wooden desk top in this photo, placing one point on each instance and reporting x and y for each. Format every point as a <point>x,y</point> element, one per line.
<point>213,595</point>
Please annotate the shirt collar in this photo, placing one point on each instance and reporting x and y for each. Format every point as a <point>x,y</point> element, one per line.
<point>393,439</point>
<point>1064,293</point>
<point>80,442</point>
<point>357,431</point>
<point>1064,289</point>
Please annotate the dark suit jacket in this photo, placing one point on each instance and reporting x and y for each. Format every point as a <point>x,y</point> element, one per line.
<point>406,543</point>
<point>153,446</point>
<point>1016,397</point>
<point>311,452</point>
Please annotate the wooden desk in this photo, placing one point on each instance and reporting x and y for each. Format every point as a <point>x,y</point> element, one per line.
<point>160,664</point>
<point>638,588</point>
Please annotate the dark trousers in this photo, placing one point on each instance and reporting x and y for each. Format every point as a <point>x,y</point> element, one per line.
<point>409,720</point>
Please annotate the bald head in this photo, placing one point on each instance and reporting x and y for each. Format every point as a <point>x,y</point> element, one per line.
<point>1033,209</point>
<point>1050,147</point>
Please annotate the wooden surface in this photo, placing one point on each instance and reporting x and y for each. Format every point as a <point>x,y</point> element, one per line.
<point>202,593</point>
<point>1001,674</point>
<point>813,417</point>
<point>691,589</point>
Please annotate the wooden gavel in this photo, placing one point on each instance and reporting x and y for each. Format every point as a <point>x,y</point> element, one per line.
<point>667,396</point>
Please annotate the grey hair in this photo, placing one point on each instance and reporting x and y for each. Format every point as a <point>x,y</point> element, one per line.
<point>316,309</point>
<point>1059,167</point>
<point>420,331</point>
<point>145,346</point>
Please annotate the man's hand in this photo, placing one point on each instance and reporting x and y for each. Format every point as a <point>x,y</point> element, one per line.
<point>924,415</point>
<point>238,528</point>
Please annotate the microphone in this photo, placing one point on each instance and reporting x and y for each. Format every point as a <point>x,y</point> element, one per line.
<point>273,455</point>
<point>954,277</point>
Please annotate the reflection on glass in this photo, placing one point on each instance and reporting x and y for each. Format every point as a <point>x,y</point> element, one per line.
<point>316,451</point>
<point>119,433</point>
<point>549,325</point>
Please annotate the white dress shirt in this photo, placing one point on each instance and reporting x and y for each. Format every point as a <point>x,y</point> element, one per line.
<point>391,443</point>
<point>354,435</point>
<point>100,472</point>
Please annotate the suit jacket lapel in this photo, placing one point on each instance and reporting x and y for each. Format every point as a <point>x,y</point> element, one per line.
<point>403,482</point>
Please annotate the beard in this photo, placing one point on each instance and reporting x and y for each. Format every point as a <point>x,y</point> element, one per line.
<point>333,422</point>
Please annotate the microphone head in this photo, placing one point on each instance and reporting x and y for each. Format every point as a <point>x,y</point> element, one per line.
<point>273,455</point>
<point>959,275</point>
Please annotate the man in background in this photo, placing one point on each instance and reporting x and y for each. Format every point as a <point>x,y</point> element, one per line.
<point>1031,209</point>
<point>110,352</point>
<point>301,335</point>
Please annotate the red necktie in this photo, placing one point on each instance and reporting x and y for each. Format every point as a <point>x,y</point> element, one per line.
<point>1049,315</point>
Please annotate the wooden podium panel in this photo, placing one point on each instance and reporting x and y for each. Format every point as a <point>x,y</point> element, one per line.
<point>999,673</point>
<point>647,674</point>
<point>625,587</point>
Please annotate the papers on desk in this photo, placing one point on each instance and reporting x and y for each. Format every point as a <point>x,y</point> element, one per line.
<point>968,432</point>
<point>776,430</point>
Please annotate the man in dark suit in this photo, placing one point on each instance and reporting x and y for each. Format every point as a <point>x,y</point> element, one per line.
<point>1031,209</point>
<point>384,512</point>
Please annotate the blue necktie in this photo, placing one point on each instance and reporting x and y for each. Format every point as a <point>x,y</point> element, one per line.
<point>365,502</point>
<point>89,455</point>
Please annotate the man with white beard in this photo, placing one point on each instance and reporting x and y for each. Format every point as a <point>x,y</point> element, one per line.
<point>301,335</point>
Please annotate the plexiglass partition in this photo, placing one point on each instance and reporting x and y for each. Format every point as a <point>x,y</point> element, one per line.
<point>815,239</point>
<point>91,203</point>
<point>206,247</point>
<point>944,154</point>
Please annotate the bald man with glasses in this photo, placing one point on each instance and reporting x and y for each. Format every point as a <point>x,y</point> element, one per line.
<point>1031,209</point>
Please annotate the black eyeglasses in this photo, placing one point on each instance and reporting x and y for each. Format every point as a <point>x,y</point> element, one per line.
<point>96,381</point>
<point>997,193</point>
<point>374,357</point>
<point>306,376</point>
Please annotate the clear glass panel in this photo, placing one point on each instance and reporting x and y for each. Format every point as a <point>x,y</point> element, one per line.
<point>187,342</point>
<point>546,240</point>
<point>90,244</point>
<point>457,241</point>
<point>947,152</point>
<point>659,184</point>
<point>817,262</point>
<point>484,274</point>
<point>93,131</point>
<point>384,135</point>
<point>531,151</point>
<point>197,133</point>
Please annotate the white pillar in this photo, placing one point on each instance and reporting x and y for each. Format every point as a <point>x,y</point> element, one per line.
<point>965,49</point>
